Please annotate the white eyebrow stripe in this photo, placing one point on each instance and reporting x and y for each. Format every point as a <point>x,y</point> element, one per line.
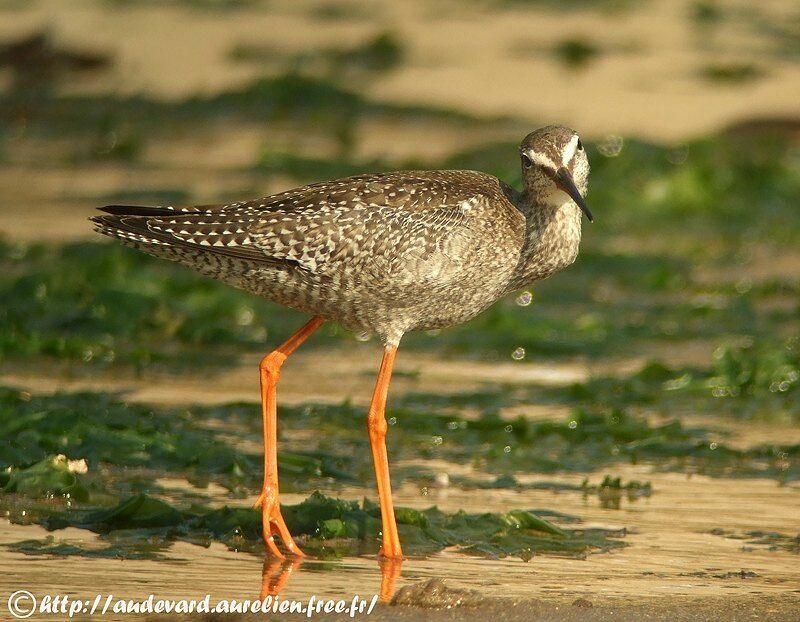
<point>541,159</point>
<point>569,152</point>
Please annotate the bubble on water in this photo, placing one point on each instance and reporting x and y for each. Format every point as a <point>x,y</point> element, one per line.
<point>712,446</point>
<point>363,336</point>
<point>507,449</point>
<point>424,491</point>
<point>744,285</point>
<point>573,424</point>
<point>524,299</point>
<point>509,428</point>
<point>518,354</point>
<point>678,155</point>
<point>437,440</point>
<point>452,425</point>
<point>392,420</point>
<point>611,146</point>
<point>245,316</point>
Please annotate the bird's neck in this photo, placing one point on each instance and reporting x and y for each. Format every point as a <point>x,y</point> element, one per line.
<point>552,238</point>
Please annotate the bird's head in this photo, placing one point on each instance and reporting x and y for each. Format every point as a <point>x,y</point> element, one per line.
<point>554,164</point>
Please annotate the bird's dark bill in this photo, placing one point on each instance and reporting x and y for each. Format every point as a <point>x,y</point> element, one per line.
<point>565,182</point>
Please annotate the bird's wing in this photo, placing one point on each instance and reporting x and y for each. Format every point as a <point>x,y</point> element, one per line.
<point>320,227</point>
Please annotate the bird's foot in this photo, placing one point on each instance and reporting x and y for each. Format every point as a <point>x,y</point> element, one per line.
<point>272,524</point>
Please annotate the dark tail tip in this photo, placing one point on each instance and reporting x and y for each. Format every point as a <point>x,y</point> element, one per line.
<point>135,210</point>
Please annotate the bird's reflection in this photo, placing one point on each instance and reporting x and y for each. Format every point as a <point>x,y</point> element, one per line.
<point>390,571</point>
<point>276,573</point>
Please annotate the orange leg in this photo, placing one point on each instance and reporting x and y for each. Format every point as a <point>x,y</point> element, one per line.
<point>268,500</point>
<point>376,425</point>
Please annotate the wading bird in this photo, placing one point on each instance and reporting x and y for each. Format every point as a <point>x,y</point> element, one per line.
<point>382,253</point>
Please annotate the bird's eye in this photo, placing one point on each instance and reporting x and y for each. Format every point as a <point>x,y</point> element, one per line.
<point>580,145</point>
<point>526,161</point>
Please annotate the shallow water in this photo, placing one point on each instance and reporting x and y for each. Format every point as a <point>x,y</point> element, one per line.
<point>691,537</point>
<point>673,551</point>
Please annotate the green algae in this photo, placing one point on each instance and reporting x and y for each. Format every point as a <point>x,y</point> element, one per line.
<point>51,477</point>
<point>610,492</point>
<point>750,380</point>
<point>771,540</point>
<point>140,442</point>
<point>103,430</point>
<point>757,370</point>
<point>583,441</point>
<point>293,99</point>
<point>324,526</point>
<point>125,308</point>
<point>127,548</point>
<point>383,52</point>
<point>127,446</point>
<point>732,73</point>
<point>103,305</point>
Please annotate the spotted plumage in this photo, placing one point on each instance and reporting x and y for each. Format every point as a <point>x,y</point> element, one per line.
<point>385,253</point>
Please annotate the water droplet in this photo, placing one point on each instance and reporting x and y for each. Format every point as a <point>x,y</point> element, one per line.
<point>712,446</point>
<point>518,354</point>
<point>392,420</point>
<point>424,491</point>
<point>678,155</point>
<point>573,424</point>
<point>611,146</point>
<point>524,299</point>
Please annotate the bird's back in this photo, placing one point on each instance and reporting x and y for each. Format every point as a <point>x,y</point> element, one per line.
<point>416,249</point>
